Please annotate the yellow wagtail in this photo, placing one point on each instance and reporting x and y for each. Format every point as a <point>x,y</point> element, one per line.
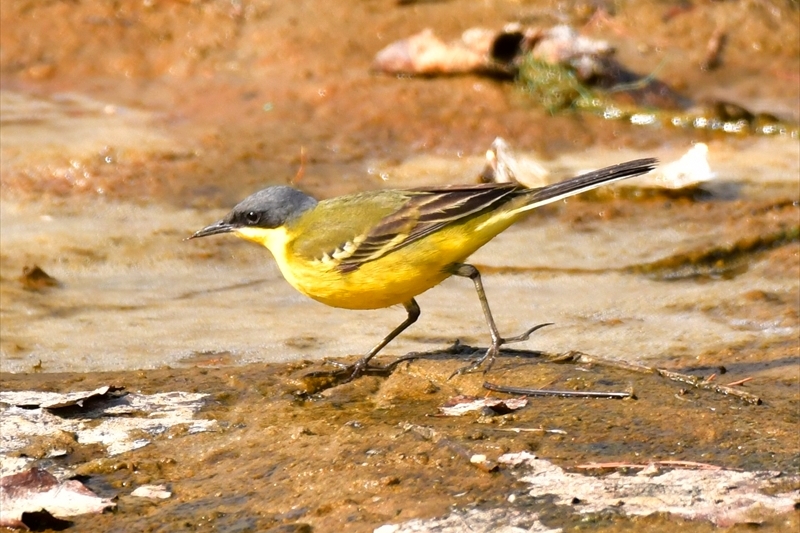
<point>380,248</point>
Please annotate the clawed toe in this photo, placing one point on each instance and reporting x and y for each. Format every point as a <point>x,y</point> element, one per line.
<point>345,373</point>
<point>490,355</point>
<point>355,371</point>
<point>464,369</point>
<point>359,368</point>
<point>525,336</point>
<point>488,358</point>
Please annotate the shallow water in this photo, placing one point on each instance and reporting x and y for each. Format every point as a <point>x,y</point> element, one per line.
<point>133,294</point>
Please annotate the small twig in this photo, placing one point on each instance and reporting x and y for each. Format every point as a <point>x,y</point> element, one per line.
<point>582,358</point>
<point>722,389</point>
<point>301,171</point>
<point>690,464</point>
<point>740,382</point>
<point>716,42</point>
<point>530,430</point>
<point>585,358</point>
<point>684,464</point>
<point>561,393</point>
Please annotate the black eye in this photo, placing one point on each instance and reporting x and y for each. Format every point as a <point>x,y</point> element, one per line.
<point>252,217</point>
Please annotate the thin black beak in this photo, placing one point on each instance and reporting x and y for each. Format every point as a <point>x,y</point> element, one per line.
<point>214,229</point>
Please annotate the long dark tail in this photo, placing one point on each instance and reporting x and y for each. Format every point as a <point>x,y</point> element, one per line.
<point>586,182</point>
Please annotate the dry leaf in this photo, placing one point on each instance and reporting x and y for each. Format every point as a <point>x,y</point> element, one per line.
<point>37,490</point>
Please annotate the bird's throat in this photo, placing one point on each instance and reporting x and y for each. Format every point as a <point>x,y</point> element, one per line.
<point>274,239</point>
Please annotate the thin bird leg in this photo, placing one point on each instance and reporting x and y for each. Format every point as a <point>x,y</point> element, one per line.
<point>469,271</point>
<point>413,314</point>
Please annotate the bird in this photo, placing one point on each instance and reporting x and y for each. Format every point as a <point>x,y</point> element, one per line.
<point>376,249</point>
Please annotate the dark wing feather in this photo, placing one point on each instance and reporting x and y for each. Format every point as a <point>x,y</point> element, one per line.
<point>426,211</point>
<point>368,226</point>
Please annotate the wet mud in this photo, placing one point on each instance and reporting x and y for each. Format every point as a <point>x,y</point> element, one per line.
<point>344,457</point>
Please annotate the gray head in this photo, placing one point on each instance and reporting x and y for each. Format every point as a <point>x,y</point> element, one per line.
<point>269,208</point>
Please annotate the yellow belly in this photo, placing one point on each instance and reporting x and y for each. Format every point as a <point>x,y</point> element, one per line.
<point>392,279</point>
<point>382,283</point>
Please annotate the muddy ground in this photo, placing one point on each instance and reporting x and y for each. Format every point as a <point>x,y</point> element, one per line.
<point>216,99</point>
<point>342,460</point>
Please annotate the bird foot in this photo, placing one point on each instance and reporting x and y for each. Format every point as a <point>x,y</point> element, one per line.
<point>345,373</point>
<point>493,350</point>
